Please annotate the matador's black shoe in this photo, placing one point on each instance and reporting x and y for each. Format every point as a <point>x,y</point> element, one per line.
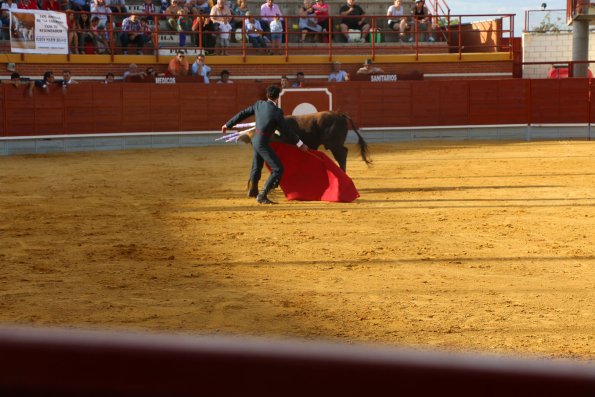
<point>252,189</point>
<point>262,197</point>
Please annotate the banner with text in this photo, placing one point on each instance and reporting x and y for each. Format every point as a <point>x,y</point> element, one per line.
<point>38,32</point>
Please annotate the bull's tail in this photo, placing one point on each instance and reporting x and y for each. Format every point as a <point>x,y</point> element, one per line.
<point>363,146</point>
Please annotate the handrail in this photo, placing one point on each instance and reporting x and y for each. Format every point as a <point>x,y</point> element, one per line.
<point>336,37</point>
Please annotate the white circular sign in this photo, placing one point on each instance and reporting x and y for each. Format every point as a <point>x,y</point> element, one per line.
<point>304,108</point>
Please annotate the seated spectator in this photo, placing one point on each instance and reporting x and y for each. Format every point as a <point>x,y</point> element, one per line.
<point>132,33</point>
<point>397,20</point>
<point>47,81</point>
<point>369,69</point>
<point>239,10</point>
<point>203,6</point>
<point>254,32</point>
<point>5,9</point>
<point>73,38</point>
<point>423,21</point>
<point>149,8</point>
<point>117,6</point>
<point>84,32</point>
<point>178,66</point>
<point>100,44</point>
<point>308,22</point>
<point>353,19</point>
<point>224,78</point>
<point>172,15</point>
<point>300,79</point>
<point>28,5</point>
<point>51,5</point>
<point>109,78</point>
<point>220,14</point>
<point>267,12</point>
<point>199,68</point>
<point>285,82</point>
<point>101,11</point>
<point>276,34</point>
<point>149,39</point>
<point>133,72</point>
<point>338,75</point>
<point>321,11</point>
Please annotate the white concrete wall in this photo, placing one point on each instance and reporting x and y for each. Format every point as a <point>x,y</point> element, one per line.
<point>549,47</point>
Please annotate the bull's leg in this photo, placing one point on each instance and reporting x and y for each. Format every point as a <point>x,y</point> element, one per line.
<point>340,154</point>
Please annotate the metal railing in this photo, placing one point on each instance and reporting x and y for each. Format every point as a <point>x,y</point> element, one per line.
<point>161,35</point>
<point>546,21</point>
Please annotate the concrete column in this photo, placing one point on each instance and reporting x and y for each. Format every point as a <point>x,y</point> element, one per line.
<point>580,47</point>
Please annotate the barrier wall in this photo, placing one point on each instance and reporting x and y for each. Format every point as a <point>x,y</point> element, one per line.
<point>117,108</point>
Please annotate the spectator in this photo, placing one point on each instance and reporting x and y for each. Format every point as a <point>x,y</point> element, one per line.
<point>254,32</point>
<point>17,81</point>
<point>267,11</point>
<point>369,69</point>
<point>46,82</point>
<point>73,38</point>
<point>321,11</point>
<point>101,11</point>
<point>224,33</point>
<point>7,7</point>
<point>172,15</point>
<point>149,39</point>
<point>117,6</point>
<point>67,80</point>
<point>299,80</point>
<point>132,33</point>
<point>51,5</point>
<point>239,10</point>
<point>100,44</point>
<point>338,75</point>
<point>285,82</point>
<point>220,14</point>
<point>178,66</point>
<point>149,8</point>
<point>353,19</point>
<point>397,19</point>
<point>224,78</point>
<point>423,21</point>
<point>133,72</point>
<point>276,34</point>
<point>199,68</point>
<point>79,5</point>
<point>184,25</point>
<point>205,24</point>
<point>109,78</point>
<point>28,5</point>
<point>308,21</point>
<point>85,35</point>
<point>201,7</point>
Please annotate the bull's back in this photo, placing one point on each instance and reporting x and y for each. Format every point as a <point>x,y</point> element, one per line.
<point>328,128</point>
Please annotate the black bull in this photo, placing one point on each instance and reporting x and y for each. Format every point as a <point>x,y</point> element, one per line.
<point>328,129</point>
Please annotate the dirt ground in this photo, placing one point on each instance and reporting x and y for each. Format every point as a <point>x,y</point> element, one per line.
<point>458,246</point>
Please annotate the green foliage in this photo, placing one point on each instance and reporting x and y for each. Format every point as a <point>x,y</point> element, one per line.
<point>549,26</point>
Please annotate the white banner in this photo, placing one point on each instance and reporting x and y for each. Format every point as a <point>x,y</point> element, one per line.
<point>38,32</point>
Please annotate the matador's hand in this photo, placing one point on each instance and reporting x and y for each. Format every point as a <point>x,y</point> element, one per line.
<point>223,129</point>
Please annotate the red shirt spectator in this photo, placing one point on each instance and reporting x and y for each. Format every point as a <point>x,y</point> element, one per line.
<point>51,5</point>
<point>28,5</point>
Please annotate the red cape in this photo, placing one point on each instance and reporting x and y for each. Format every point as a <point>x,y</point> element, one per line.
<point>313,176</point>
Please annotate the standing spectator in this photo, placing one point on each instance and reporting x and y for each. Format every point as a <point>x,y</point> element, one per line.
<point>67,78</point>
<point>132,33</point>
<point>178,66</point>
<point>321,12</point>
<point>51,5</point>
<point>224,78</point>
<point>73,38</point>
<point>254,32</point>
<point>220,14</point>
<point>16,80</point>
<point>133,72</point>
<point>204,24</point>
<point>353,19</point>
<point>224,33</point>
<point>28,5</point>
<point>276,34</point>
<point>109,78</point>
<point>369,69</point>
<point>285,82</point>
<point>397,19</point>
<point>47,81</point>
<point>338,75</point>
<point>184,25</point>
<point>299,80</point>
<point>422,20</point>
<point>267,12</point>
<point>308,21</point>
<point>171,14</point>
<point>117,6</point>
<point>199,68</point>
<point>101,11</point>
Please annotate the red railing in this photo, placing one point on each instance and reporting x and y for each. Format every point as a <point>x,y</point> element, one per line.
<point>159,35</point>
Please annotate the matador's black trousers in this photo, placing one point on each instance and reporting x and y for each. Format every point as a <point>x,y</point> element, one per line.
<point>262,153</point>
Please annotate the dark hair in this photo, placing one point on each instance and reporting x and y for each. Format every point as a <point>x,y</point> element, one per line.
<point>284,77</point>
<point>273,92</point>
<point>299,74</point>
<point>15,75</point>
<point>109,74</point>
<point>224,71</point>
<point>47,75</point>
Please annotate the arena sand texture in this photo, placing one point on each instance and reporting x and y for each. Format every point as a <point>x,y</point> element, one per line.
<point>457,246</point>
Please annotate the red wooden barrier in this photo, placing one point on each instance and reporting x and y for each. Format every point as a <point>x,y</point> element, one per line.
<point>98,108</point>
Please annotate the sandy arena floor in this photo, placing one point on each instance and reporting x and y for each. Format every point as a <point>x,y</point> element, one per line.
<point>462,246</point>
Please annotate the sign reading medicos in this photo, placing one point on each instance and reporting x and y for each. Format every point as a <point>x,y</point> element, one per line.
<point>38,32</point>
